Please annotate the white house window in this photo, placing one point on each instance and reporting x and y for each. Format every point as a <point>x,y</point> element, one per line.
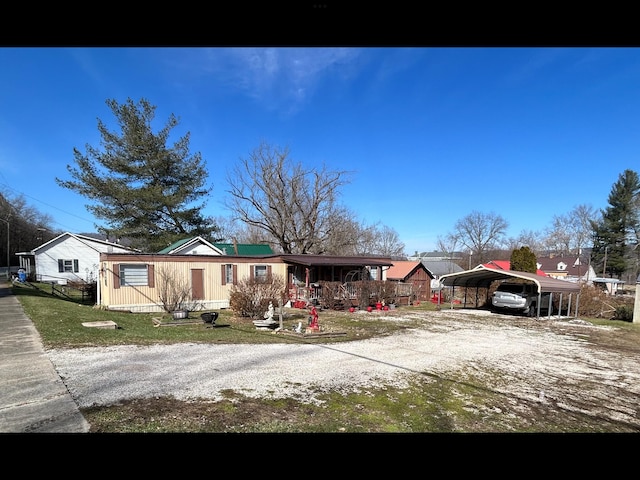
<point>228,273</point>
<point>260,272</point>
<point>134,275</point>
<point>68,265</point>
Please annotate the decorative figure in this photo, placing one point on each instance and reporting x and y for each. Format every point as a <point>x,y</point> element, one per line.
<point>313,320</point>
<point>268,323</point>
<point>269,313</point>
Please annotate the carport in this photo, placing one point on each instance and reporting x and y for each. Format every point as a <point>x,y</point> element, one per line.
<point>483,277</point>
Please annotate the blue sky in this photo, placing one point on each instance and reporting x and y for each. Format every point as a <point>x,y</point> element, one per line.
<point>430,134</point>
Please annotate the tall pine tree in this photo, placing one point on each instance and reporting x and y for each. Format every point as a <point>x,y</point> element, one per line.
<point>145,191</point>
<point>615,236</point>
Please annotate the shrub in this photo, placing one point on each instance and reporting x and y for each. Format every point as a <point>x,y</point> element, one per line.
<point>174,291</point>
<point>594,302</point>
<point>624,312</point>
<point>332,295</point>
<point>251,297</point>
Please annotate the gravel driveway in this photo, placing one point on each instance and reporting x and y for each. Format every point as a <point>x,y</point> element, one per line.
<point>557,360</point>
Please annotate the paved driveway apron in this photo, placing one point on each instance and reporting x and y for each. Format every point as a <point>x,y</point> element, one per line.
<point>33,397</point>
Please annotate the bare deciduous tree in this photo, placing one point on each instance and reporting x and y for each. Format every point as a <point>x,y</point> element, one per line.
<point>527,238</point>
<point>480,233</point>
<point>571,232</point>
<point>387,243</point>
<point>295,207</point>
<point>448,243</point>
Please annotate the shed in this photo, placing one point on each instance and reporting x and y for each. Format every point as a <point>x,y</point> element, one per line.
<point>415,275</point>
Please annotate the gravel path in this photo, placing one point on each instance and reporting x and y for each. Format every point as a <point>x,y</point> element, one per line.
<point>531,363</point>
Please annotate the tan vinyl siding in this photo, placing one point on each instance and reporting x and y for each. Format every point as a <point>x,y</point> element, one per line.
<point>145,298</point>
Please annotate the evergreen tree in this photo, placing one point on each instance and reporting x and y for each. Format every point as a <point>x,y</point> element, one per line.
<point>615,236</point>
<point>524,260</point>
<point>143,190</point>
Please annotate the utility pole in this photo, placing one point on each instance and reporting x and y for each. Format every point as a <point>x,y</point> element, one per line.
<point>8,258</point>
<point>604,267</point>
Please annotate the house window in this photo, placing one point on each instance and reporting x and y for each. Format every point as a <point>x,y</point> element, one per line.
<point>228,274</point>
<point>134,275</point>
<point>260,272</point>
<point>373,273</point>
<point>68,265</point>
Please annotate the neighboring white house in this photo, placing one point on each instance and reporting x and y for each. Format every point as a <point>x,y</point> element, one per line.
<point>67,258</point>
<point>192,246</point>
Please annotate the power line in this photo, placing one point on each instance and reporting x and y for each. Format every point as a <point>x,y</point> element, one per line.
<point>4,185</point>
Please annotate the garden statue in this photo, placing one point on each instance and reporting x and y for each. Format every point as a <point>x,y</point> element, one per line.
<point>268,322</point>
<point>269,313</point>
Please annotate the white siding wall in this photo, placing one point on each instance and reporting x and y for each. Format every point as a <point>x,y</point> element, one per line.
<point>198,249</point>
<point>71,248</point>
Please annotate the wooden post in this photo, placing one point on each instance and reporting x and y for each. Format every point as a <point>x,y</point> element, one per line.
<point>280,312</point>
<point>636,304</point>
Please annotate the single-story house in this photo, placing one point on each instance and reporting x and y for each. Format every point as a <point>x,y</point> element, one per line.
<point>67,258</point>
<point>132,281</point>
<point>413,278</point>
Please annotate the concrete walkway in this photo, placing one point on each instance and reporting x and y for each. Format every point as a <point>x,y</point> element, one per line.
<point>33,397</point>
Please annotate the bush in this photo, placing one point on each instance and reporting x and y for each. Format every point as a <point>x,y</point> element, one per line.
<point>174,291</point>
<point>251,297</point>
<point>624,312</point>
<point>594,302</point>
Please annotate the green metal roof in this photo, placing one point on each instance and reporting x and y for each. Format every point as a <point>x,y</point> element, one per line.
<point>175,245</point>
<point>244,249</point>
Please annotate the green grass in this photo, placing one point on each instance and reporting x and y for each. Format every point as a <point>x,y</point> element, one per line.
<point>60,323</point>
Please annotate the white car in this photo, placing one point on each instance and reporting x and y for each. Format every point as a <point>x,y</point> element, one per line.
<point>519,298</point>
